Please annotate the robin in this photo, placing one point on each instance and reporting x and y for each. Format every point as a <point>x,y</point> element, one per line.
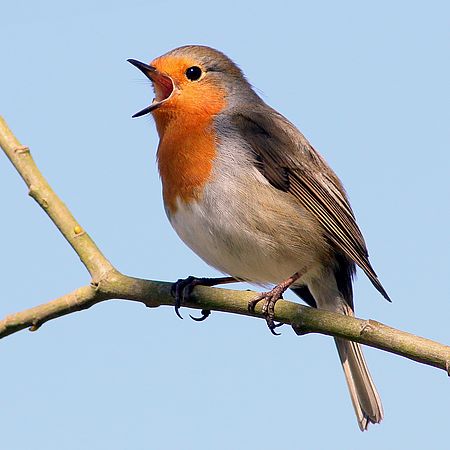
<point>247,192</point>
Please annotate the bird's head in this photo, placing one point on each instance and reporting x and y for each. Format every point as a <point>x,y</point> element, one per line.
<point>193,80</point>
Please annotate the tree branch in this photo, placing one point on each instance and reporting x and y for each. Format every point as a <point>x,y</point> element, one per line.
<point>108,283</point>
<point>40,190</point>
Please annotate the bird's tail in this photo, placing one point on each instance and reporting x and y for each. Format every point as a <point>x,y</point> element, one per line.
<point>324,294</point>
<point>364,395</point>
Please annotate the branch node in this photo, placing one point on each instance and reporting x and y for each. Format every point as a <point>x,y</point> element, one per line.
<point>447,367</point>
<point>36,325</point>
<point>37,195</point>
<point>78,231</point>
<point>21,150</point>
<point>367,327</point>
<point>32,191</point>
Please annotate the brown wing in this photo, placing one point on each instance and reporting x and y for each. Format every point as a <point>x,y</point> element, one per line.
<point>290,163</point>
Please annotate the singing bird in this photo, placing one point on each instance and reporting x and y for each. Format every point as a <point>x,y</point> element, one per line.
<point>246,191</point>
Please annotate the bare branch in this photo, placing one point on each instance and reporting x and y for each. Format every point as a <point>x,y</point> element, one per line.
<point>107,283</point>
<point>33,318</point>
<point>40,190</point>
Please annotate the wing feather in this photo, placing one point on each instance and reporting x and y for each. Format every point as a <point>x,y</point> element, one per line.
<point>291,164</point>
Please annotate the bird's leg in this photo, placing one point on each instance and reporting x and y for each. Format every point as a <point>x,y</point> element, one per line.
<point>182,289</point>
<point>270,298</point>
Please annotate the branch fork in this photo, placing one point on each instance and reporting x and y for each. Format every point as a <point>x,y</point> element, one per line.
<point>108,283</point>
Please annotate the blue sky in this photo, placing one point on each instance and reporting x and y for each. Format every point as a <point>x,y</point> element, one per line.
<point>366,82</point>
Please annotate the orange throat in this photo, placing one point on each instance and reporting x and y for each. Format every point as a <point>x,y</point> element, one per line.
<point>185,155</point>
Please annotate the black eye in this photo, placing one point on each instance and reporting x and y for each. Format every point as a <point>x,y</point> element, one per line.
<point>193,73</point>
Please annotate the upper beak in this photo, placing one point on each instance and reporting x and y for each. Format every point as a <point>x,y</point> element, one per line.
<point>163,84</point>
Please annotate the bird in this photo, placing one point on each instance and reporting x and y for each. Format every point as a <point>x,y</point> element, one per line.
<point>247,192</point>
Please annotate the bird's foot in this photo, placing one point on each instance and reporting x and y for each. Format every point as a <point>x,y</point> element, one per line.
<point>270,298</point>
<point>268,310</point>
<point>182,290</point>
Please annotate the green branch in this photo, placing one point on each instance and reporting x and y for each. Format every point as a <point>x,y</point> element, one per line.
<point>107,283</point>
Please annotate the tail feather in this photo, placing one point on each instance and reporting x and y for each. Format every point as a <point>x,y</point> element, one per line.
<point>325,294</point>
<point>365,398</point>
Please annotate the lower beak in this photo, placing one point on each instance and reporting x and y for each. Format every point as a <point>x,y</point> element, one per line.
<point>163,84</point>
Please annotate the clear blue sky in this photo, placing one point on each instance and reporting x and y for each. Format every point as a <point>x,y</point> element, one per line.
<point>367,83</point>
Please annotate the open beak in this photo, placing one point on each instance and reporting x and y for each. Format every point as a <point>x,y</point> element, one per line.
<point>163,85</point>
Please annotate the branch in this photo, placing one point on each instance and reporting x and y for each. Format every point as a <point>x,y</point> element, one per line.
<point>40,190</point>
<point>108,283</point>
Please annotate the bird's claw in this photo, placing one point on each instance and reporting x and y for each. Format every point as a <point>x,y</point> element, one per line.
<point>177,291</point>
<point>205,315</point>
<point>181,290</point>
<point>268,310</point>
<point>177,311</point>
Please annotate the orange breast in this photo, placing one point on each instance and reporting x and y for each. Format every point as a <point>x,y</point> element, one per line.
<point>187,145</point>
<point>185,163</point>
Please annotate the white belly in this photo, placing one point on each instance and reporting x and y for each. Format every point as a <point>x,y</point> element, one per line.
<point>245,240</point>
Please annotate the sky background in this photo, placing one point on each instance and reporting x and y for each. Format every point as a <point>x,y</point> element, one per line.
<point>366,82</point>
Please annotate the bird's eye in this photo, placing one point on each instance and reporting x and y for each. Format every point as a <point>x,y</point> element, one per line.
<point>193,73</point>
